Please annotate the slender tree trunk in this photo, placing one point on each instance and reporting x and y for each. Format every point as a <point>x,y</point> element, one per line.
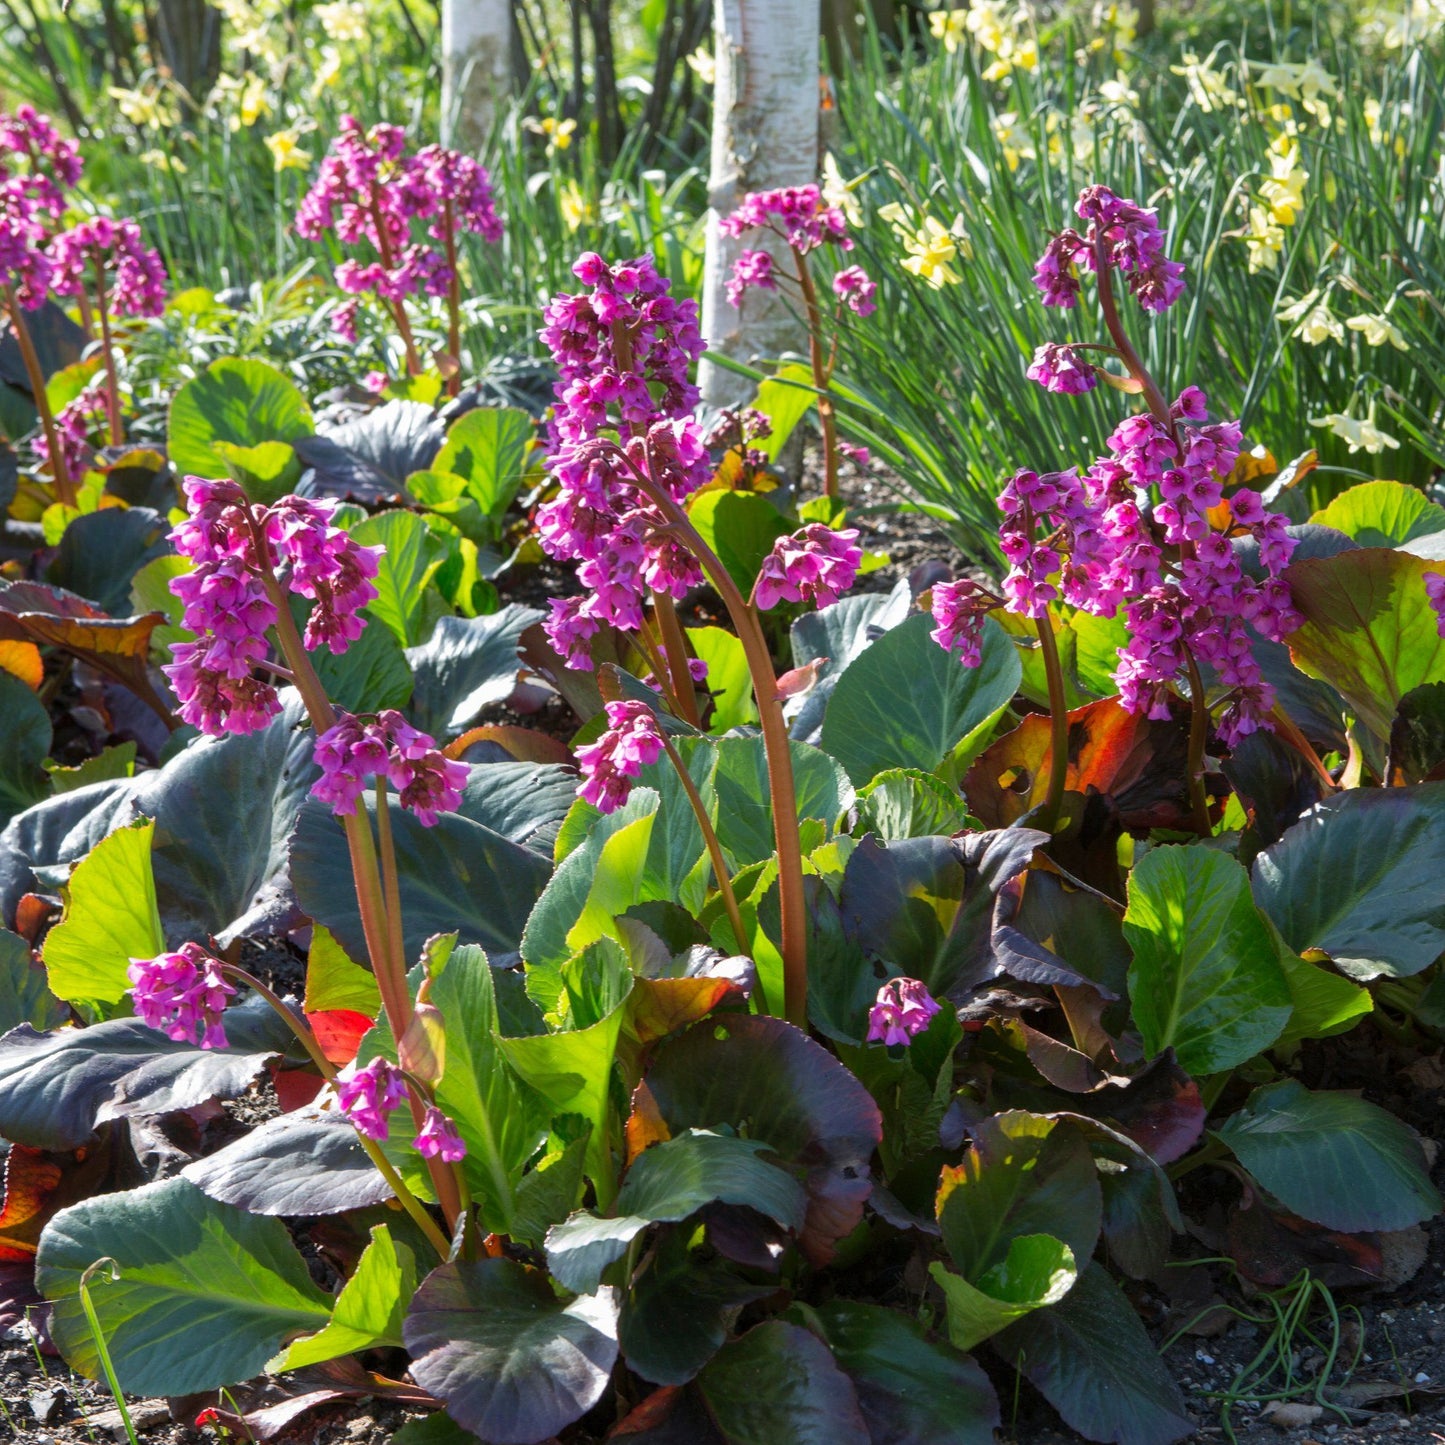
<point>764,135</point>
<point>476,69</point>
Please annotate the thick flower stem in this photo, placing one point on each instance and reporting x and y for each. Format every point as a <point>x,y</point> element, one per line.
<point>714,848</point>
<point>1135,367</point>
<point>1198,736</point>
<point>64,487</point>
<point>674,644</point>
<point>1058,722</point>
<point>398,306</point>
<point>112,386</point>
<point>384,1166</point>
<point>454,302</point>
<point>791,898</point>
<point>826,423</point>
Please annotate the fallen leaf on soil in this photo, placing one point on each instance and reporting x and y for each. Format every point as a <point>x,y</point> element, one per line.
<point>1287,1415</point>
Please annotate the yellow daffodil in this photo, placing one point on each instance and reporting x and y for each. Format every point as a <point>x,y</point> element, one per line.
<point>1120,23</point>
<point>703,64</point>
<point>559,133</point>
<point>329,71</point>
<point>343,21</point>
<point>251,103</point>
<point>1015,142</point>
<point>1283,192</point>
<point>286,152</point>
<point>930,248</point>
<point>1317,323</point>
<point>1377,330</point>
<point>170,165</point>
<point>575,210</point>
<point>1356,434</point>
<point>1265,239</point>
<point>948,26</point>
<point>1119,92</point>
<point>1208,88</point>
<point>838,192</point>
<point>146,107</point>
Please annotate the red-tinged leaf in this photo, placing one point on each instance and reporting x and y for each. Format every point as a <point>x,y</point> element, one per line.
<point>645,1124</point>
<point>661,1006</point>
<point>338,1031</point>
<point>117,647</point>
<point>801,679</point>
<point>1272,1247</point>
<point>32,914</point>
<point>1161,1110</point>
<point>38,1184</point>
<point>295,1088</point>
<point>1127,758</point>
<point>22,660</point>
<point>525,745</point>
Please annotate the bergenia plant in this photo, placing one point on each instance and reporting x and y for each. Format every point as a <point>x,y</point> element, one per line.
<point>1147,527</point>
<point>801,218</point>
<point>370,191</point>
<point>245,559</point>
<point>626,454</point>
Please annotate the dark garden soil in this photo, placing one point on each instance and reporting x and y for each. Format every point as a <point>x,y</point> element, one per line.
<point>1387,1335</point>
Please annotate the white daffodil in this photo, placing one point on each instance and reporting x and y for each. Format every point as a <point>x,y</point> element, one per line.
<point>1377,330</point>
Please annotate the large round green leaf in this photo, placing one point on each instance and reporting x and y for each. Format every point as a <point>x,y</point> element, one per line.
<point>1383,514</point>
<point>511,1361</point>
<point>1089,1357</point>
<point>780,1382</point>
<point>912,1390</point>
<point>24,743</point>
<point>206,1294</point>
<point>467,663</point>
<point>1358,880</point>
<point>1333,1158</point>
<point>239,400</point>
<point>1206,979</point>
<point>1369,629</point>
<point>1037,1270</point>
<point>771,1082</point>
<point>906,703</point>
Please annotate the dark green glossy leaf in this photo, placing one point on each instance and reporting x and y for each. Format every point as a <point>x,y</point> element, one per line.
<point>24,744</point>
<point>912,1390</point>
<point>1382,514</point>
<point>101,553</point>
<point>905,702</point>
<point>230,1286</point>
<point>1417,736</point>
<point>905,803</point>
<point>1357,880</point>
<point>56,1088</point>
<point>740,802</point>
<point>511,1361</point>
<point>1089,1357</point>
<point>467,663</point>
<point>1206,979</point>
<point>24,997</point>
<point>780,1382</point>
<point>1333,1158</point>
<point>666,1184</point>
<point>406,601</point>
<point>1035,1271</point>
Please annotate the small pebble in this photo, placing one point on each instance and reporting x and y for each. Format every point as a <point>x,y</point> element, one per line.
<point>1422,1378</point>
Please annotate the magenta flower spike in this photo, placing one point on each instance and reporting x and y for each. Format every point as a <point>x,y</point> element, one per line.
<point>903,1010</point>
<point>228,606</point>
<point>1435,593</point>
<point>138,287</point>
<point>1060,368</point>
<point>610,765</point>
<point>182,994</point>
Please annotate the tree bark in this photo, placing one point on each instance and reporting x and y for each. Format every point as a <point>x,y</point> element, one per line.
<point>476,69</point>
<point>764,135</point>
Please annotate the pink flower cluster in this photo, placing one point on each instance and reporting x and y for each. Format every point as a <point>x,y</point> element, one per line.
<point>609,766</point>
<point>356,749</point>
<point>73,424</point>
<point>624,411</point>
<point>1088,541</point>
<point>182,994</point>
<point>959,609</point>
<point>138,287</point>
<point>235,545</point>
<point>1121,236</point>
<point>903,1010</point>
<point>1060,368</point>
<point>371,189</point>
<point>37,167</point>
<point>815,565</point>
<point>370,1094</point>
<point>801,216</point>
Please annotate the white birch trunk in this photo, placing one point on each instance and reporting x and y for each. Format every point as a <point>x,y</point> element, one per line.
<point>764,135</point>
<point>476,74</point>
